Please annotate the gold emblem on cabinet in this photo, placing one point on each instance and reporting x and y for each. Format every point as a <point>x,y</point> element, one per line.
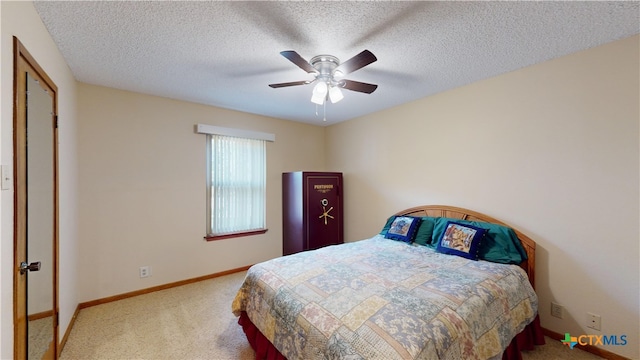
<point>325,211</point>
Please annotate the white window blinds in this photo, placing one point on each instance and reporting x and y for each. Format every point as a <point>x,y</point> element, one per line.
<point>237,184</point>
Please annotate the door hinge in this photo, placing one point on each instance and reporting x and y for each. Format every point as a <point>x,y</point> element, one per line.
<point>55,121</point>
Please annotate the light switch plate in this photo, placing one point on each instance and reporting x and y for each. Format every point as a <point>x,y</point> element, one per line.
<point>6,177</point>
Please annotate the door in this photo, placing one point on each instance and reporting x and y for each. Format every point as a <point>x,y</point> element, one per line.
<point>35,210</point>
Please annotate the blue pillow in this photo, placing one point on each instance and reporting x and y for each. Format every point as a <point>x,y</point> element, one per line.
<point>461,239</point>
<point>403,228</point>
<point>500,245</point>
<point>424,235</point>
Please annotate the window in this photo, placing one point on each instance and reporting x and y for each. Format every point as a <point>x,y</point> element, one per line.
<point>236,182</point>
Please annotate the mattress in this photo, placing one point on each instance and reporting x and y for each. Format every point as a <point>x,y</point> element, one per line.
<point>383,299</point>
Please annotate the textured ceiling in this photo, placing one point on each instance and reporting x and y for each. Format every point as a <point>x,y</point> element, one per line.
<point>225,53</point>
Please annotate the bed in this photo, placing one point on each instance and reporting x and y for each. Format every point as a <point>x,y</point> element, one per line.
<point>400,294</point>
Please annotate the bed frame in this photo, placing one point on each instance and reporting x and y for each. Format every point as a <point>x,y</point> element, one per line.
<point>466,214</point>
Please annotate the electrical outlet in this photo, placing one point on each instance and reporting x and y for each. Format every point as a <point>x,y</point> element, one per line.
<point>557,310</point>
<point>145,271</point>
<point>593,321</point>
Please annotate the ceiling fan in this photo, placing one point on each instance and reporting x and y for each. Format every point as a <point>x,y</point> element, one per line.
<point>328,73</point>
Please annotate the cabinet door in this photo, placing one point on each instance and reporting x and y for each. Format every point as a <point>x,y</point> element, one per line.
<point>324,210</point>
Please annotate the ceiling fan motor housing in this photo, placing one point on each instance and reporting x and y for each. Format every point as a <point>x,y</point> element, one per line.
<point>325,65</point>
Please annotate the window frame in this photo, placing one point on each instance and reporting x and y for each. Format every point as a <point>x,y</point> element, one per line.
<point>210,130</point>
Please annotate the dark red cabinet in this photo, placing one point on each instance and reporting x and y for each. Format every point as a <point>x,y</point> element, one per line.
<point>312,210</point>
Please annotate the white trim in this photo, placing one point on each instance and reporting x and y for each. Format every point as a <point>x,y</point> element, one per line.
<point>247,134</point>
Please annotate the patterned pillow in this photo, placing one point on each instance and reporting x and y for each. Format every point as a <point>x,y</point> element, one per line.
<point>461,239</point>
<point>403,228</point>
<point>500,243</point>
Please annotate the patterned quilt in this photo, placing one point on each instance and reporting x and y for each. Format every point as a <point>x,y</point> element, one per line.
<point>385,299</point>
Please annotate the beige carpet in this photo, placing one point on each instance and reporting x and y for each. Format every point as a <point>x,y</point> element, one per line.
<point>40,336</point>
<point>191,322</point>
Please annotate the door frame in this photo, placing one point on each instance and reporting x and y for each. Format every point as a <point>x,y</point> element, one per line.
<point>23,62</point>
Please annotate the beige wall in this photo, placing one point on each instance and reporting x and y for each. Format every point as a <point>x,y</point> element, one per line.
<point>142,185</point>
<point>21,20</point>
<point>552,149</point>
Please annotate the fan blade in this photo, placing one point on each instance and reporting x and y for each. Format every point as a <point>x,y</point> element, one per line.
<point>359,61</point>
<point>295,58</point>
<point>358,86</point>
<point>294,83</point>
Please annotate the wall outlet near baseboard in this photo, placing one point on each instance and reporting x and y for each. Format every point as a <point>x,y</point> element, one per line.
<point>145,271</point>
<point>557,310</point>
<point>593,321</point>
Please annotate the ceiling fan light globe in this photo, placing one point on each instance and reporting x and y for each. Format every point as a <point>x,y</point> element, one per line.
<point>320,89</point>
<point>319,93</point>
<point>335,94</point>
<point>317,99</point>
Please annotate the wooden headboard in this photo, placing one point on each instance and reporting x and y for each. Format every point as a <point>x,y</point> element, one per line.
<point>465,214</point>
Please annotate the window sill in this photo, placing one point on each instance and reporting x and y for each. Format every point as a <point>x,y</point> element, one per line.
<point>233,235</point>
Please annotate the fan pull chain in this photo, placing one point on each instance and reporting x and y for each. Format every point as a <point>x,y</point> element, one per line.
<point>324,111</point>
